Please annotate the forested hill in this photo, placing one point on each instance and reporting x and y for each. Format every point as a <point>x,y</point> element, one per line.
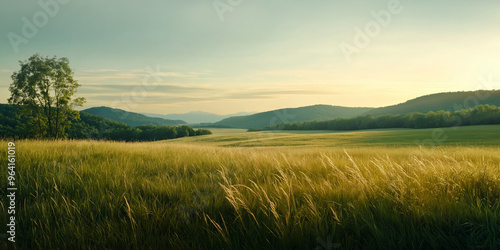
<point>480,115</point>
<point>442,101</point>
<point>130,118</point>
<point>89,126</point>
<point>309,113</point>
<point>12,125</point>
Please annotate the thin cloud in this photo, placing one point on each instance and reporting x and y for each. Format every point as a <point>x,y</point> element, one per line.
<point>114,74</point>
<point>169,94</point>
<point>157,88</point>
<point>107,77</point>
<point>99,70</point>
<point>294,73</point>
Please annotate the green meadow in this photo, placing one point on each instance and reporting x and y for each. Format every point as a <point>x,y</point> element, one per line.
<point>378,189</point>
<point>487,135</point>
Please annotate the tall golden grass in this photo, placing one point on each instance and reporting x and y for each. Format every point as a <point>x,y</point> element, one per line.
<point>108,195</point>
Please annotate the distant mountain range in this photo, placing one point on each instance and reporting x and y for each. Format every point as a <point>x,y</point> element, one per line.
<point>197,116</point>
<point>442,101</point>
<point>130,118</point>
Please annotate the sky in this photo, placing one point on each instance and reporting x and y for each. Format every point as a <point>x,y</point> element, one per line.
<point>229,56</point>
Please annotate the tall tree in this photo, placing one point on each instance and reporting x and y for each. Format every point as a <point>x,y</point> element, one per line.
<point>44,87</point>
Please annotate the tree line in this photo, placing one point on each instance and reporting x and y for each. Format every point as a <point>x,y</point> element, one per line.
<point>154,133</point>
<point>480,115</point>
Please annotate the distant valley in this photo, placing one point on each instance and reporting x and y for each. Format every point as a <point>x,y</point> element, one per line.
<point>197,116</point>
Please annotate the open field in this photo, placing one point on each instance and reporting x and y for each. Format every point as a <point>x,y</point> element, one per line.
<point>261,191</point>
<point>486,135</point>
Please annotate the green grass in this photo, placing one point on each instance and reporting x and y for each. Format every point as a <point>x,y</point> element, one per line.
<point>260,191</point>
<point>486,135</point>
<point>225,131</point>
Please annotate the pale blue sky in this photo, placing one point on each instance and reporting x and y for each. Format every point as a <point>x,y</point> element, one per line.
<point>264,54</point>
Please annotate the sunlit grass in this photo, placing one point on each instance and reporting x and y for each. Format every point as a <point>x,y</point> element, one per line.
<point>462,136</point>
<point>191,195</point>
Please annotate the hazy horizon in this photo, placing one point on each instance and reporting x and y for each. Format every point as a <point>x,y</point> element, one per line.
<point>252,56</point>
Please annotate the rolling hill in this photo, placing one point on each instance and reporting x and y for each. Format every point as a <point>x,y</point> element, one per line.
<point>450,101</point>
<point>309,113</point>
<point>89,126</point>
<point>12,125</point>
<point>130,118</point>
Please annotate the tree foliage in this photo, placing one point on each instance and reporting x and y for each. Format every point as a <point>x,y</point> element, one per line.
<point>44,88</point>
